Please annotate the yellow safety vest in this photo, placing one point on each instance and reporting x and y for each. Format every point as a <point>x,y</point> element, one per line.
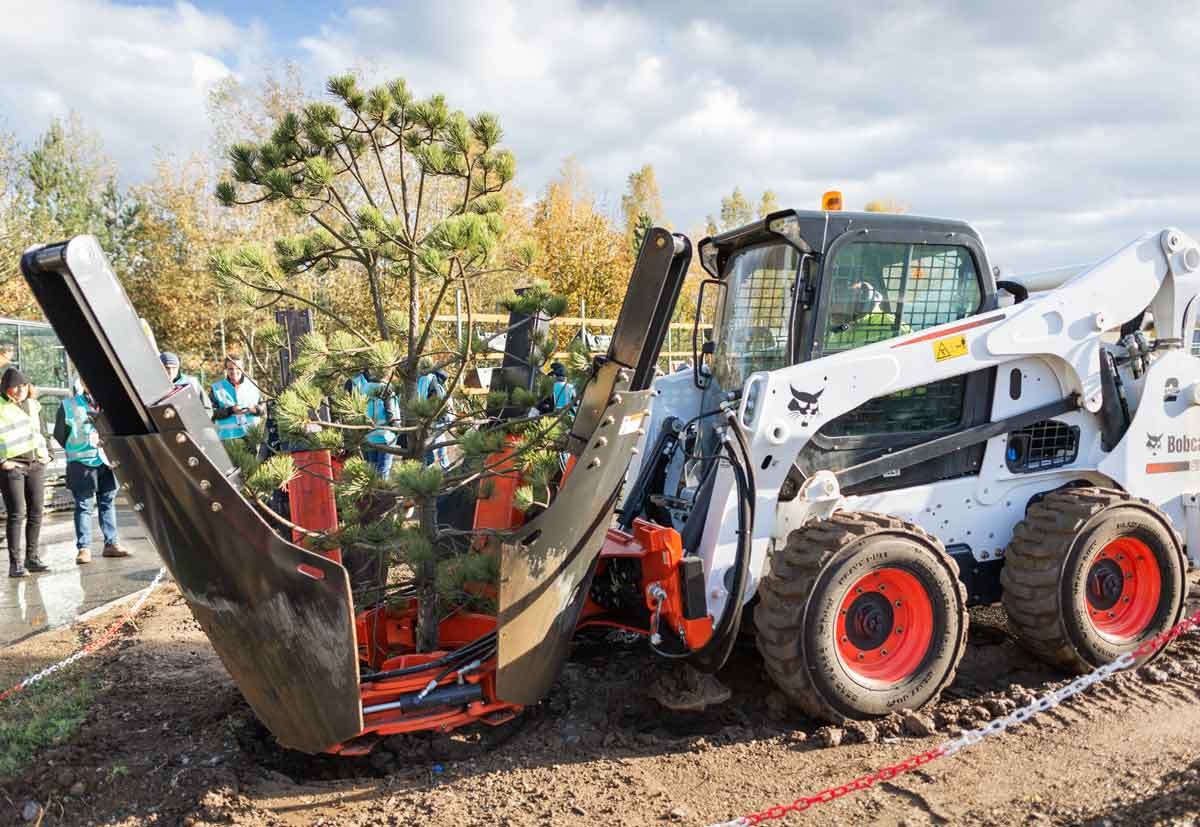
<point>16,431</point>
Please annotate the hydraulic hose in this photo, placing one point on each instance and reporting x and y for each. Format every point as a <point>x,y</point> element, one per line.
<point>712,655</point>
<point>463,654</point>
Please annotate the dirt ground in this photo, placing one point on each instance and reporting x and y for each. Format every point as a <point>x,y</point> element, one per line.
<point>169,741</point>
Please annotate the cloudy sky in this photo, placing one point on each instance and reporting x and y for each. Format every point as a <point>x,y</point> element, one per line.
<point>1061,130</point>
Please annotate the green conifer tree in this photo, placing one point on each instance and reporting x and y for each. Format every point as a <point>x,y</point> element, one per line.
<point>409,195</point>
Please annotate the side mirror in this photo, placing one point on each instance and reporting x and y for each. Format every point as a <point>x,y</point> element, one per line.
<point>710,346</point>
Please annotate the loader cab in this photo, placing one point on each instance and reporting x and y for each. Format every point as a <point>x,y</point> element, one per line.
<point>802,285</point>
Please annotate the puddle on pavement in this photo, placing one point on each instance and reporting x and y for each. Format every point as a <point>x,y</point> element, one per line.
<point>58,597</point>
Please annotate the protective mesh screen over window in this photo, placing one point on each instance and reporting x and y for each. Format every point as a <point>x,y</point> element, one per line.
<point>757,309</point>
<point>878,291</point>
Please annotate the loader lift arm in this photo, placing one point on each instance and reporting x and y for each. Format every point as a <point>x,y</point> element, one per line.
<point>547,569</point>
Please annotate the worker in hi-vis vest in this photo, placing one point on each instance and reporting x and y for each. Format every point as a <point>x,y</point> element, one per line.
<point>562,391</point>
<point>89,478</point>
<point>170,363</point>
<point>432,385</point>
<point>237,402</point>
<point>383,410</point>
<point>23,458</point>
<point>857,317</point>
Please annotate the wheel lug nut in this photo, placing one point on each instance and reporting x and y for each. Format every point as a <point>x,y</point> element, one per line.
<point>883,651</point>
<point>861,656</point>
<point>899,631</point>
<point>898,603</point>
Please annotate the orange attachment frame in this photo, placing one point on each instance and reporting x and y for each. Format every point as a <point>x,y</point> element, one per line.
<point>660,550</point>
<point>384,631</point>
<point>310,495</point>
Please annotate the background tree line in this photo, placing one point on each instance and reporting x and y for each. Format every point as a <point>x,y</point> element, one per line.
<point>162,233</point>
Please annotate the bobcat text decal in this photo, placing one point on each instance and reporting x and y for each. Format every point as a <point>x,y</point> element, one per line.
<point>1175,444</point>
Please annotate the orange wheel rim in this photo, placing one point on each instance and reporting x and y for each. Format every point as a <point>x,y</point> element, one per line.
<point>1124,585</point>
<point>884,627</point>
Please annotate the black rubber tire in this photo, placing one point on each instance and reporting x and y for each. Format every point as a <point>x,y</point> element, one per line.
<point>1046,566</point>
<point>799,603</point>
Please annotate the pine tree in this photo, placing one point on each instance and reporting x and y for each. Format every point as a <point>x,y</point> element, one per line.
<point>641,226</point>
<point>61,186</point>
<point>407,195</point>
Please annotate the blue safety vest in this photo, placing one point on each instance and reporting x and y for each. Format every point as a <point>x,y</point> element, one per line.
<point>226,395</point>
<point>564,393</point>
<point>429,386</point>
<point>83,443</point>
<point>379,411</point>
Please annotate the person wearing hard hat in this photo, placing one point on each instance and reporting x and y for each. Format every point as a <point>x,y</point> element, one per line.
<point>90,479</point>
<point>170,363</point>
<point>23,458</point>
<point>237,402</point>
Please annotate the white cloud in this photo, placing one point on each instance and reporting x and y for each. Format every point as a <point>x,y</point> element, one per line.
<point>1063,130</point>
<point>138,76</point>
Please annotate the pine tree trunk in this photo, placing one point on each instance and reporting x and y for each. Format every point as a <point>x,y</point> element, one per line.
<point>427,616</point>
<point>377,303</point>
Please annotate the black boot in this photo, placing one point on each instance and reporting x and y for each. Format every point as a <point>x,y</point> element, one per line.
<point>34,564</point>
<point>15,563</point>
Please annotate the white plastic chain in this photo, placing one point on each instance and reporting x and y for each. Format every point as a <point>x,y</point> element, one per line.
<point>970,737</point>
<point>91,647</point>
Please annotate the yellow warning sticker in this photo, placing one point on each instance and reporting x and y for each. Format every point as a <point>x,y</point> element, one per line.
<point>950,347</point>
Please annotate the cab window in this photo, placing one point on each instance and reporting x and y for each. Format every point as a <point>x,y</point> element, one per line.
<point>756,313</point>
<point>880,290</point>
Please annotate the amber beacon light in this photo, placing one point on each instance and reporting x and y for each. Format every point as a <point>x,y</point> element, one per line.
<point>831,200</point>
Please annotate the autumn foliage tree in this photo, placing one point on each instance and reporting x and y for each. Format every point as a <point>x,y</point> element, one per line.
<point>580,253</point>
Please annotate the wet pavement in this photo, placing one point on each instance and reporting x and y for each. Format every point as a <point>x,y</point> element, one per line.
<point>58,597</point>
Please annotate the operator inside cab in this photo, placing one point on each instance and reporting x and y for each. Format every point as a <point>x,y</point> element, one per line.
<point>857,317</point>
<point>237,402</point>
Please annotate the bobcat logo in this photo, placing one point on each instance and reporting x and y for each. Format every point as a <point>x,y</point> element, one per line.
<point>1154,441</point>
<point>805,405</point>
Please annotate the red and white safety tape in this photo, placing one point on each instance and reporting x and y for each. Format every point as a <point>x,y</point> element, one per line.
<point>972,736</point>
<point>95,644</point>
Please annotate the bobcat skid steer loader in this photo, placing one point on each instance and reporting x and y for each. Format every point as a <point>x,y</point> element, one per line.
<point>871,441</point>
